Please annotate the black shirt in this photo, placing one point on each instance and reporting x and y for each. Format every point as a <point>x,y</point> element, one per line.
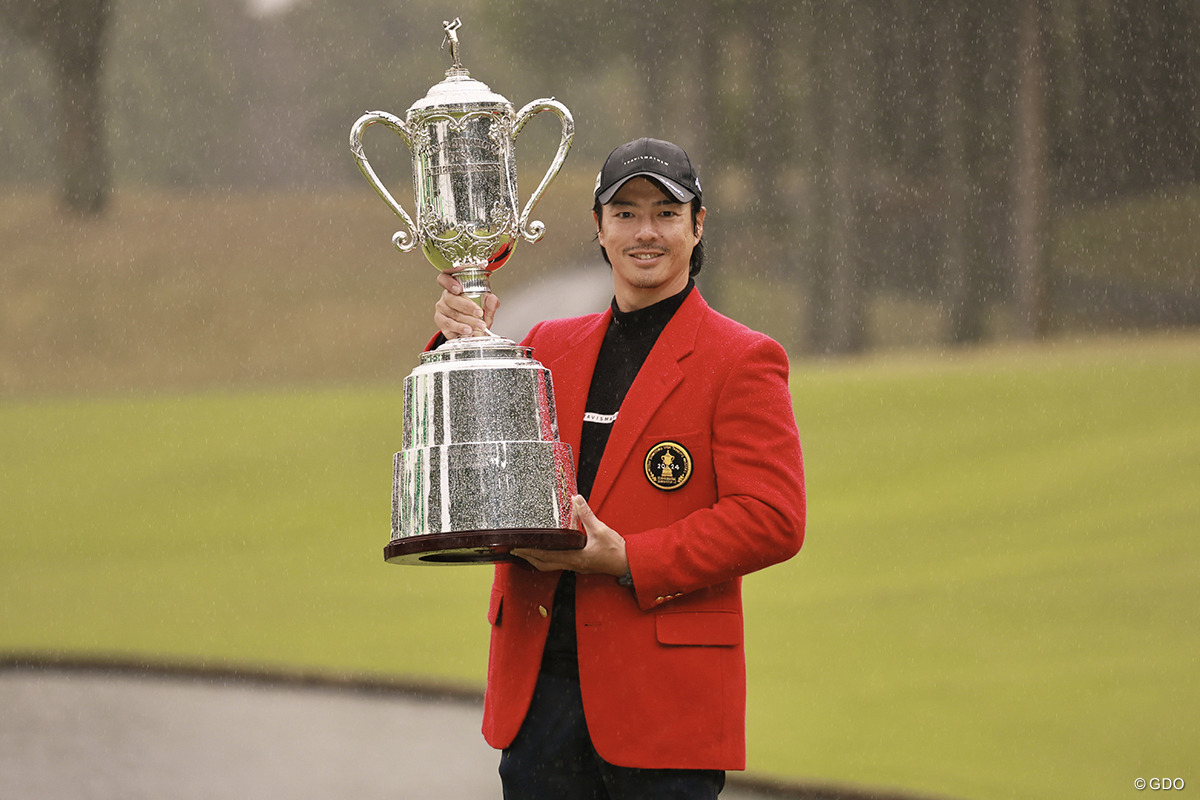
<point>627,342</point>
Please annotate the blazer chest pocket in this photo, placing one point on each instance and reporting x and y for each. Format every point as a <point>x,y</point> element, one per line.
<point>705,628</point>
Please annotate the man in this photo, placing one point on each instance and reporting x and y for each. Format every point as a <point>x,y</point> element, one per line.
<point>617,671</point>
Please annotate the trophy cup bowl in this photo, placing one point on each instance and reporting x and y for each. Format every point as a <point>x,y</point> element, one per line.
<point>481,470</point>
<point>461,135</point>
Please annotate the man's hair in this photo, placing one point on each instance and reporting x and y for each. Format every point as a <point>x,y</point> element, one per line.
<point>697,260</point>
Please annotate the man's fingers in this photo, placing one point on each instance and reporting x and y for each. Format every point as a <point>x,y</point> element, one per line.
<point>455,315</point>
<point>582,513</point>
<point>450,283</point>
<point>535,558</point>
<point>491,304</point>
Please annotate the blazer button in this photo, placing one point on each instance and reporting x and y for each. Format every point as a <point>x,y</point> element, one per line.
<point>542,610</point>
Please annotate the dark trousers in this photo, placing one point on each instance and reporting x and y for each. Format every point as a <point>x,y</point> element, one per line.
<point>552,757</point>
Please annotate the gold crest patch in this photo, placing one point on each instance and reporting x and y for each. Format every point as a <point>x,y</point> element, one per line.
<point>668,466</point>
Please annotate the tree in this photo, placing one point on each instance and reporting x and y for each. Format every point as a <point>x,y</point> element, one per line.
<point>840,103</point>
<point>1031,206</point>
<point>959,284</point>
<point>72,34</point>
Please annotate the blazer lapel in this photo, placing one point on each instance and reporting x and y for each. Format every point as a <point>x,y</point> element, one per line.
<point>658,377</point>
<point>571,371</point>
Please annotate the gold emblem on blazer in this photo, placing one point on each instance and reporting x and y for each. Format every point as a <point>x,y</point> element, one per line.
<point>668,466</point>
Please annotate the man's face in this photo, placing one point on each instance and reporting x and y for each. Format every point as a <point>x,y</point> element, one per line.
<point>648,236</point>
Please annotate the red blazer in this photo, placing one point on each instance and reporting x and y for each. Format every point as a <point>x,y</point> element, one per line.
<point>663,673</point>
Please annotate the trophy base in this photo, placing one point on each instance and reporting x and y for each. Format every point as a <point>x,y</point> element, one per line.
<point>479,547</point>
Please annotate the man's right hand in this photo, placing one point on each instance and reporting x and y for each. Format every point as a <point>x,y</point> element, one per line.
<point>456,315</point>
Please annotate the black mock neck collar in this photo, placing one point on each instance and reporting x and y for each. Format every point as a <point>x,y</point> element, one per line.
<point>656,315</point>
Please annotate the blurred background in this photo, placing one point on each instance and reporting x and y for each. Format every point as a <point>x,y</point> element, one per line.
<point>917,173</point>
<point>974,226</point>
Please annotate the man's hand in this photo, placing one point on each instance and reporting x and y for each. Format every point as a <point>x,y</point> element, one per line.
<point>604,553</point>
<point>456,315</point>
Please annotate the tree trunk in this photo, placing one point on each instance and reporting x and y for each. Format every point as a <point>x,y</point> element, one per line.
<point>846,332</point>
<point>72,34</point>
<point>84,180</point>
<point>959,285</point>
<point>1029,185</point>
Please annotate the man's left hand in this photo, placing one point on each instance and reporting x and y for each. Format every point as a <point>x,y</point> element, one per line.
<point>604,553</point>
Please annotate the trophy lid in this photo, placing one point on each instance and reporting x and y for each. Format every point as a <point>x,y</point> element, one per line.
<point>458,88</point>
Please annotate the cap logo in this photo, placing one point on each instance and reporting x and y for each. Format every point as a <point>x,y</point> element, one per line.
<point>645,158</point>
<point>668,466</point>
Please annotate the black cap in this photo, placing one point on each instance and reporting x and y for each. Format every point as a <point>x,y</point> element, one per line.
<point>652,158</point>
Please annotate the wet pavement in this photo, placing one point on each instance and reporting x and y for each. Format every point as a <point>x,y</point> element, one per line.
<point>101,734</point>
<point>74,734</point>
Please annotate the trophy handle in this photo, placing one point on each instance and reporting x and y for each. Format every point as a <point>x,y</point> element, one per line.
<point>405,240</point>
<point>533,231</point>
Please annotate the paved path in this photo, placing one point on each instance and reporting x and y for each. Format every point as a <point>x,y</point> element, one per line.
<point>90,735</point>
<point>115,735</point>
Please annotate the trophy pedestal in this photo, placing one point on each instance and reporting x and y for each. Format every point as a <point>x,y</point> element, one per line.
<point>478,547</point>
<point>482,470</point>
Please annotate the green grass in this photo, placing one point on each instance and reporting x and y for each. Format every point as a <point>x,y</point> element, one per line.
<point>998,597</point>
<point>222,528</point>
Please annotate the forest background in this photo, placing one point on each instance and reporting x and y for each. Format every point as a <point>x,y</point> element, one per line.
<point>912,173</point>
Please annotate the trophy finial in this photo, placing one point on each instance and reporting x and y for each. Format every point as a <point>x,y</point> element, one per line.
<point>451,39</point>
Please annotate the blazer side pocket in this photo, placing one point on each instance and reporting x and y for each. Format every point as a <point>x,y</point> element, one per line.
<point>707,628</point>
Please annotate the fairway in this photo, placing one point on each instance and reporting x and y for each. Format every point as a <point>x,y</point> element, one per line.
<point>998,598</point>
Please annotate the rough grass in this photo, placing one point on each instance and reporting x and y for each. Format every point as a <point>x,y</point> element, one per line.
<point>998,597</point>
<point>179,292</point>
<point>1151,239</point>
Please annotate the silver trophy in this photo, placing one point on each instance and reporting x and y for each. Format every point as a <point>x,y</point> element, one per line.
<point>482,470</point>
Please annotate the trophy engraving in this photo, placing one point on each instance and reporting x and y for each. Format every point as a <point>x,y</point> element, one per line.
<point>481,469</point>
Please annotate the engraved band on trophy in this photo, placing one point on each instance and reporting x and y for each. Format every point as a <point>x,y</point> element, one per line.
<point>482,469</point>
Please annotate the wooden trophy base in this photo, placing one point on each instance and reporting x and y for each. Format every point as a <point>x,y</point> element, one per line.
<point>479,547</point>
